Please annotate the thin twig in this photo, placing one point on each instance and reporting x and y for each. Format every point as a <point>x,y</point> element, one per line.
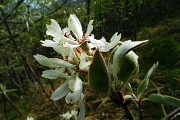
<point>10,13</point>
<point>173,114</point>
<point>4,105</point>
<point>25,62</point>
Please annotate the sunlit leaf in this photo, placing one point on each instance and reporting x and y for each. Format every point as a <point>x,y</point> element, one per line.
<point>110,61</point>
<point>151,71</point>
<point>143,85</point>
<point>121,52</point>
<point>164,99</point>
<point>98,74</point>
<point>128,66</point>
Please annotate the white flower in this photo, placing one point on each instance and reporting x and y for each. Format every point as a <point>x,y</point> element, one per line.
<point>114,40</point>
<point>54,74</point>
<point>89,29</point>
<point>102,45</point>
<point>70,114</point>
<point>52,62</point>
<point>72,89</point>
<point>30,118</point>
<point>75,86</point>
<point>75,25</point>
<point>54,29</point>
<point>84,63</point>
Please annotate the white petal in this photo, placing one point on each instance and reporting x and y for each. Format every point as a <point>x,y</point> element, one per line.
<point>67,33</point>
<point>73,46</point>
<point>89,29</point>
<point>53,28</point>
<point>52,62</point>
<point>49,43</point>
<point>101,44</point>
<point>61,50</point>
<point>75,25</point>
<point>75,84</point>
<point>54,74</point>
<point>73,97</point>
<point>71,55</point>
<point>84,65</point>
<point>114,40</point>
<point>69,40</point>
<point>61,91</point>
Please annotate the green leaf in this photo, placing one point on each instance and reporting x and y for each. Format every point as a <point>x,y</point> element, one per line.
<point>164,99</point>
<point>81,115</point>
<point>143,85</point>
<point>128,67</point>
<point>110,61</point>
<point>98,74</point>
<point>121,52</point>
<point>151,71</point>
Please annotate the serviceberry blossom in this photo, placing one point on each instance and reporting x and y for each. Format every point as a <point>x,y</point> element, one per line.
<point>76,53</point>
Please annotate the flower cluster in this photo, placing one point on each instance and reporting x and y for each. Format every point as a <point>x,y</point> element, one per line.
<point>76,52</point>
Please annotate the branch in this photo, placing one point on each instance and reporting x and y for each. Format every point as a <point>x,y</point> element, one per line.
<point>10,13</point>
<point>36,21</point>
<point>65,1</point>
<point>173,114</point>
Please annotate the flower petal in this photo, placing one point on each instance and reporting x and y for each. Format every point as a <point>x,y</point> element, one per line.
<point>61,50</point>
<point>101,44</point>
<point>73,97</point>
<point>61,91</point>
<point>71,55</point>
<point>89,29</point>
<point>52,62</point>
<point>114,40</point>
<point>75,84</point>
<point>75,25</point>
<point>84,65</point>
<point>54,74</point>
<point>49,43</point>
<point>53,28</point>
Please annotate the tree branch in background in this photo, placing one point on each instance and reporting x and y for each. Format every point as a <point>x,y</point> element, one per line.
<point>174,114</point>
<point>52,12</point>
<point>25,62</point>
<point>10,13</point>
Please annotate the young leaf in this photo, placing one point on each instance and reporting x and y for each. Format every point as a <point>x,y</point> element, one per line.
<point>143,85</point>
<point>128,66</point>
<point>81,115</point>
<point>110,61</point>
<point>98,74</point>
<point>164,99</point>
<point>121,52</point>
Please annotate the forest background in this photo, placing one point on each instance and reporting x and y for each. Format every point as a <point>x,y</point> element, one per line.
<point>23,25</point>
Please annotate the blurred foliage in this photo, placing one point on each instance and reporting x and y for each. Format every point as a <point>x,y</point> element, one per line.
<point>21,32</point>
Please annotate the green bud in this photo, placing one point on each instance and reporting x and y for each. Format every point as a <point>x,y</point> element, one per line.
<point>128,67</point>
